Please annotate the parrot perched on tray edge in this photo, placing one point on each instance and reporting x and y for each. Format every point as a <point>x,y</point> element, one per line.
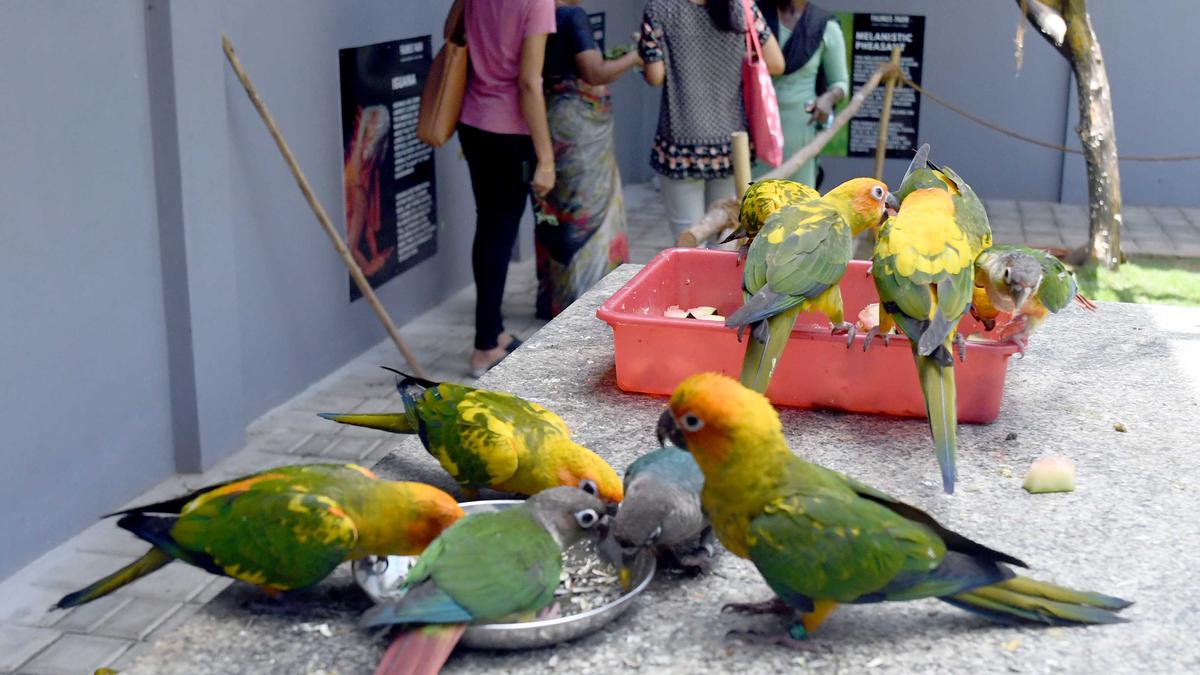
<point>820,538</point>
<point>283,528</point>
<point>487,567</point>
<point>491,439</point>
<point>794,265</point>
<point>1027,283</point>
<point>761,199</point>
<point>923,265</point>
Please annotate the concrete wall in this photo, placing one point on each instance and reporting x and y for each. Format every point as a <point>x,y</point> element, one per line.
<point>84,405</point>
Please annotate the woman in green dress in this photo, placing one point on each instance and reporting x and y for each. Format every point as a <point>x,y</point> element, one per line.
<point>815,76</point>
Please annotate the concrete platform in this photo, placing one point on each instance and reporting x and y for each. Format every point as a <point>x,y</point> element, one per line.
<point>112,632</point>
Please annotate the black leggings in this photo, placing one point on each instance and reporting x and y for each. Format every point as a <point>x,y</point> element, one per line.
<point>501,167</point>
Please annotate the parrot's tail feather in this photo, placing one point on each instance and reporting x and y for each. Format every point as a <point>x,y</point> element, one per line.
<point>406,379</point>
<point>420,652</point>
<point>154,559</point>
<point>762,355</point>
<point>1084,302</point>
<point>1020,598</point>
<point>397,423</point>
<point>937,384</point>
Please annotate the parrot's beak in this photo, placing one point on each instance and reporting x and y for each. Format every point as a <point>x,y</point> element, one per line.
<point>668,430</point>
<point>625,578</point>
<point>396,423</point>
<point>891,202</point>
<point>1023,297</point>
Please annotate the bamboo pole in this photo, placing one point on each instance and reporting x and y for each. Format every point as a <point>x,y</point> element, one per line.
<point>355,272</point>
<point>741,162</point>
<point>885,116</point>
<point>723,214</point>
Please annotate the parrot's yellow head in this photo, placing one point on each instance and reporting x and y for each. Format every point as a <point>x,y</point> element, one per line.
<point>576,466</point>
<point>863,202</point>
<point>426,512</point>
<point>712,415</point>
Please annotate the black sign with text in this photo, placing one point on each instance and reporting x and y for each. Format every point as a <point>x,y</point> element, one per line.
<point>387,174</point>
<point>871,43</point>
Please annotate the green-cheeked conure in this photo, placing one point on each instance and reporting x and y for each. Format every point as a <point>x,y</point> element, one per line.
<point>820,538</point>
<point>1028,283</point>
<point>488,567</point>
<point>283,528</point>
<point>794,265</point>
<point>491,439</point>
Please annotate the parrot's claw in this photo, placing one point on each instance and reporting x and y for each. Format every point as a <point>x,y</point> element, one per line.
<point>701,559</point>
<point>795,637</point>
<point>874,333</point>
<point>847,329</point>
<point>960,343</point>
<point>772,606</point>
<point>553,611</point>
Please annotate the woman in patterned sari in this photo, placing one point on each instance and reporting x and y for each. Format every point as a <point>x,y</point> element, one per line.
<point>580,224</point>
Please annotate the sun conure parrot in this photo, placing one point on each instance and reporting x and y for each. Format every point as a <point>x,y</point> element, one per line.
<point>923,265</point>
<point>491,439</point>
<point>794,265</point>
<point>820,538</point>
<point>282,529</point>
<point>761,199</point>
<point>1028,283</point>
<point>662,512</point>
<point>488,567</point>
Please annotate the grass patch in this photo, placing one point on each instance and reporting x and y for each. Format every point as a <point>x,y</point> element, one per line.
<point>1146,280</point>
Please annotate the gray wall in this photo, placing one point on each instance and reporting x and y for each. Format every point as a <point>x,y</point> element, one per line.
<point>84,406</point>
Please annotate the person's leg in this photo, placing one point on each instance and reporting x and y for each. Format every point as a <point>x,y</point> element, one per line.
<point>497,165</point>
<point>683,199</point>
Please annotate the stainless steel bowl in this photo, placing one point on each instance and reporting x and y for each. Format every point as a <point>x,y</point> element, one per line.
<point>381,579</point>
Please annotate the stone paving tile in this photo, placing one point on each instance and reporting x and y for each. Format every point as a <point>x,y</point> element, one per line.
<point>28,604</point>
<point>106,538</point>
<point>85,618</point>
<point>19,643</point>
<point>70,570</point>
<point>212,590</point>
<point>137,619</point>
<point>72,654</point>
<point>351,449</point>
<point>177,582</point>
<point>1192,214</point>
<point>317,444</point>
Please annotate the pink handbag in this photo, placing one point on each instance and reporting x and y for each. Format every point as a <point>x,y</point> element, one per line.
<point>758,93</point>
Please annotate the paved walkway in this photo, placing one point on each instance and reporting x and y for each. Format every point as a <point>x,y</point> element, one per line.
<point>113,630</point>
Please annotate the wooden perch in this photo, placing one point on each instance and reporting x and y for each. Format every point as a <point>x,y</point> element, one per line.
<point>724,214</point>
<point>322,217</point>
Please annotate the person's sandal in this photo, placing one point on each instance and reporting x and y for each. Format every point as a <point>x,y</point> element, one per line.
<point>510,348</point>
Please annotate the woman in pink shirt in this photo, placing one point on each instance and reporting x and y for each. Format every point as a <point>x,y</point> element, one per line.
<point>506,140</point>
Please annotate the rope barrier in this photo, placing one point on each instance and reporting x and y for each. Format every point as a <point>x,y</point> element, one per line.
<point>1029,139</point>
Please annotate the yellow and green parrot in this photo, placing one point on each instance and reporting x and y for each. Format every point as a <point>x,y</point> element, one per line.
<point>923,265</point>
<point>491,439</point>
<point>794,265</point>
<point>820,538</point>
<point>488,567</point>
<point>282,529</point>
<point>761,199</point>
<point>1028,283</point>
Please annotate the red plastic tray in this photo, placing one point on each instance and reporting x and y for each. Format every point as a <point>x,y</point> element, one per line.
<point>655,353</point>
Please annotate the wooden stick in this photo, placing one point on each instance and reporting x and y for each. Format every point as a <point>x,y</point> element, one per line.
<point>322,217</point>
<point>792,164</point>
<point>885,116</point>
<point>741,162</point>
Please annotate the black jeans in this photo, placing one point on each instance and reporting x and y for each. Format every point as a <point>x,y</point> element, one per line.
<point>501,167</point>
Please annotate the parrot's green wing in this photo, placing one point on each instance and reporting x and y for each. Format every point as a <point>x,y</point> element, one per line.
<point>470,432</point>
<point>836,547</point>
<point>274,530</point>
<point>1058,286</point>
<point>493,564</point>
<point>802,251</point>
<point>970,213</point>
<point>765,197</point>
